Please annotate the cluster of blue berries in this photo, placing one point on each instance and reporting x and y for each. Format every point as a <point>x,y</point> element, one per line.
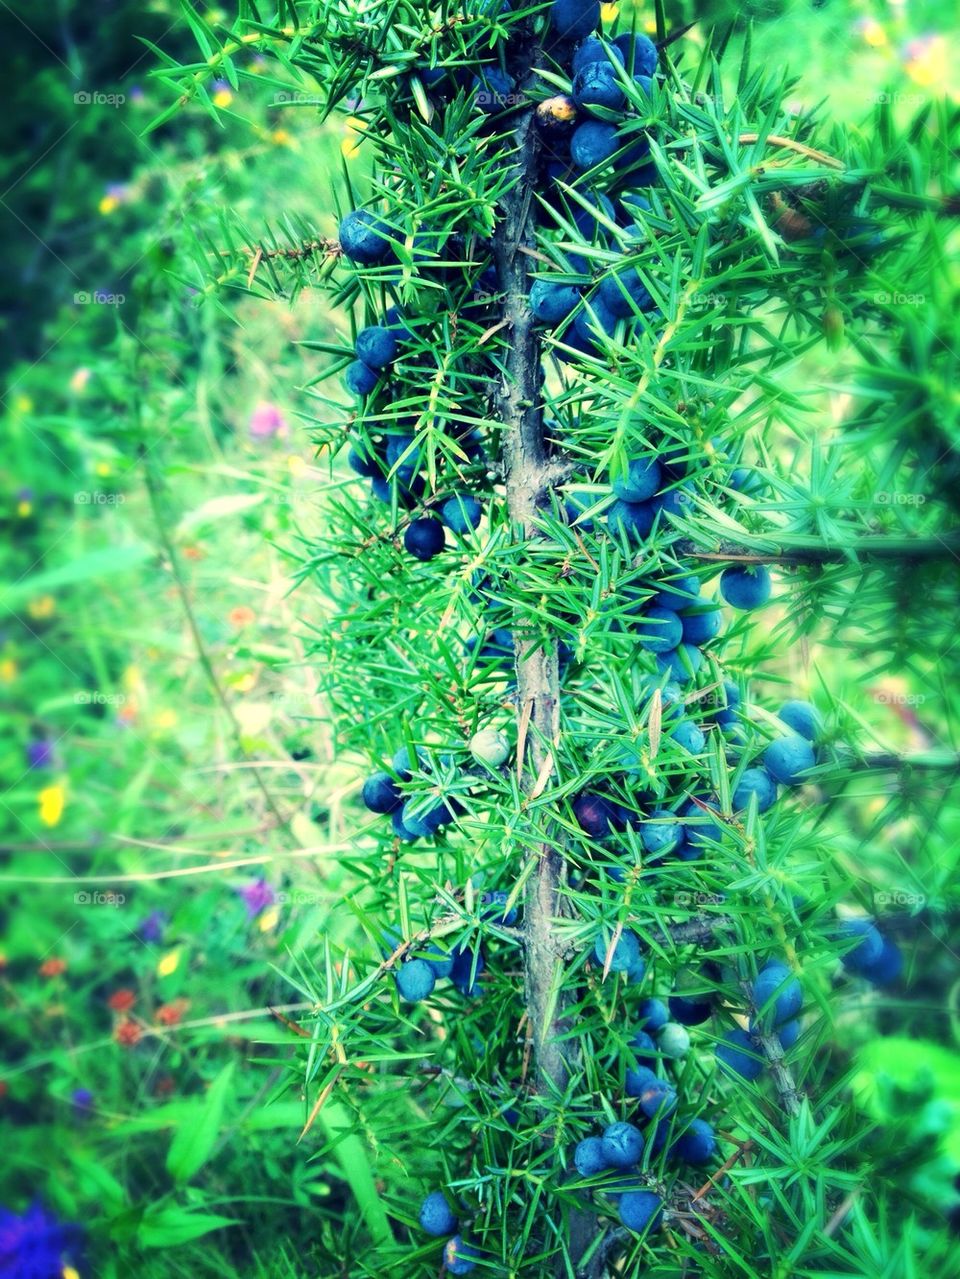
<point>438,1219</point>
<point>412,818</point>
<point>376,348</point>
<point>464,964</point>
<point>874,957</point>
<point>776,997</point>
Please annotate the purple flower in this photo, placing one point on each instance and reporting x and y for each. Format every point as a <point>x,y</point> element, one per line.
<point>153,927</point>
<point>82,1101</point>
<point>257,896</point>
<point>39,753</point>
<point>267,422</point>
<point>36,1245</point>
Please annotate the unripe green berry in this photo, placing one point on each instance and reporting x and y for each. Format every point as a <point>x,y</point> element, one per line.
<point>674,1040</point>
<point>489,746</point>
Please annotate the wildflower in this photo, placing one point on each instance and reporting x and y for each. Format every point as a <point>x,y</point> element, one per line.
<point>257,897</point>
<point>51,800</point>
<point>8,670</point>
<point>53,967</point>
<point>269,919</point>
<point>35,1245</point>
<point>171,1014</point>
<point>152,928</point>
<point>222,93</point>
<point>350,146</point>
<point>121,1001</point>
<point>242,615</point>
<point>39,753</point>
<point>169,964</point>
<point>81,1099</point>
<point>267,422</point>
<point>42,607</point>
<point>926,61</point>
<point>79,380</point>
<point>127,1033</point>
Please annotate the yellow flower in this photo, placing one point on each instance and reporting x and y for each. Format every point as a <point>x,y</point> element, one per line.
<point>24,509</point>
<point>8,670</point>
<point>165,720</point>
<point>68,1272</point>
<point>244,683</point>
<point>927,63</point>
<point>608,12</point>
<point>23,404</point>
<point>108,203</point>
<point>52,800</point>
<point>42,606</point>
<point>80,379</point>
<point>269,919</point>
<point>350,146</point>
<point>103,468</point>
<point>296,464</point>
<point>873,33</point>
<point>169,964</point>
<point>223,97</point>
<point>281,137</point>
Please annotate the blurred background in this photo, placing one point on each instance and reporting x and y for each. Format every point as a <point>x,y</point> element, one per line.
<point>174,807</point>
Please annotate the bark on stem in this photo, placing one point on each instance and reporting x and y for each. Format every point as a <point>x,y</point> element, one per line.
<point>529,473</point>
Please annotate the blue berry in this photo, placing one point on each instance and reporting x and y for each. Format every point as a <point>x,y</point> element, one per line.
<point>624,293</point>
<point>458,1257</point>
<point>870,948</point>
<point>746,588</point>
<point>493,89</point>
<point>661,836</point>
<point>643,1048</point>
<point>789,757</point>
<point>682,663</point>
<point>678,592</point>
<point>633,520</point>
<point>636,1079</point>
<point>640,1210</point>
<point>622,1144</point>
<point>439,961</point>
<point>789,1033</point>
<point>727,714</point>
<point>467,967</point>
<point>738,1052</point>
<point>380,793</point>
<point>363,462</point>
<point>594,320</point>
<point>802,718</point>
<point>776,982</point>
<point>703,626</point>
<point>574,19</point>
<point>376,346</point>
<point>364,238</point>
<point>595,815</point>
<point>424,537</point>
<point>551,302</point>
<point>436,1217</point>
<point>625,955</point>
<point>690,736</point>
<point>658,1099</point>
<point>424,822</point>
<point>593,143</point>
<point>690,1011</point>
<point>701,833</point>
<point>639,53</point>
<point>652,1015</point>
<point>406,759</point>
<point>697,1145</point>
<point>415,980</point>
<point>640,481</point>
<point>359,379</point>
<point>591,51</point>
<point>660,630</point>
<point>588,1157</point>
<point>885,970</point>
<point>400,829</point>
<point>755,781</point>
<point>461,513</point>
<point>597,85</point>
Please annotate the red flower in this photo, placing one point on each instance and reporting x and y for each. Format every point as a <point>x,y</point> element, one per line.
<point>127,1033</point>
<point>121,1001</point>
